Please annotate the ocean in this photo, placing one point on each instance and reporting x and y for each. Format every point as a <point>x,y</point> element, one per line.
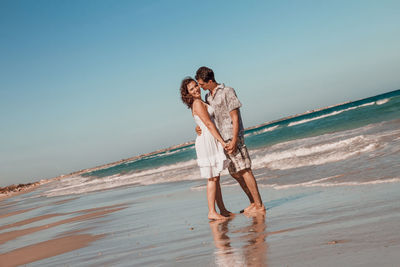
<point>153,208</point>
<point>321,146</point>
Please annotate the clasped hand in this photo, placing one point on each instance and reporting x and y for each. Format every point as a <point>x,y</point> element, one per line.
<point>229,147</point>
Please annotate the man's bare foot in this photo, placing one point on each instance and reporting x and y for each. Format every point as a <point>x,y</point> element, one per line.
<point>216,216</point>
<point>260,210</point>
<point>256,210</point>
<point>249,208</point>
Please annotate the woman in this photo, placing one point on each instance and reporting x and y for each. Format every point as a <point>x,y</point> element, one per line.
<point>209,147</point>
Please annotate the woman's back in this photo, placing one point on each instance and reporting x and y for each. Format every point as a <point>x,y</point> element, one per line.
<point>200,123</point>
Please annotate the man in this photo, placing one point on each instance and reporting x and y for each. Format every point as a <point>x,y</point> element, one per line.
<point>229,123</point>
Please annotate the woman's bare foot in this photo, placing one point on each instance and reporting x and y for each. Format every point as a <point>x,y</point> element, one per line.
<point>227,213</point>
<point>215,216</point>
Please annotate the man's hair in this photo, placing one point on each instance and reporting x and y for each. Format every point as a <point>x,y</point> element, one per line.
<point>206,74</point>
<point>187,99</point>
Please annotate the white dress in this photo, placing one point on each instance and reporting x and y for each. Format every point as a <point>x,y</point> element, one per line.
<point>210,153</point>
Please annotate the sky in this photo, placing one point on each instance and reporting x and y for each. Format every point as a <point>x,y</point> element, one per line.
<point>84,83</point>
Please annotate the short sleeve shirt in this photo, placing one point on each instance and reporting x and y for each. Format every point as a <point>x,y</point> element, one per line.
<point>223,102</point>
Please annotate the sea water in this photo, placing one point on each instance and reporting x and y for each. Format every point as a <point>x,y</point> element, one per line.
<point>353,143</point>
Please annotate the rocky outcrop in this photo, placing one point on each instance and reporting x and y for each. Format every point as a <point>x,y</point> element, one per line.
<point>17,188</point>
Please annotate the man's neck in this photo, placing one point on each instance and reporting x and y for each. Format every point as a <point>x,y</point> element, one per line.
<point>212,91</point>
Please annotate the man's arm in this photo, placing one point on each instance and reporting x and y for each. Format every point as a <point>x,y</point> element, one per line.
<point>231,147</point>
<point>198,130</point>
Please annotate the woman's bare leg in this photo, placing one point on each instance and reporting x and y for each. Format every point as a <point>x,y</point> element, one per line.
<point>220,201</point>
<point>211,197</point>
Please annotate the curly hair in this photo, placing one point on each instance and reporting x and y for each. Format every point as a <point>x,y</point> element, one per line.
<point>206,74</point>
<point>187,98</point>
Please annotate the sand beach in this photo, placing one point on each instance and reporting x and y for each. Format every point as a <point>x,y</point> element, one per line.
<point>167,226</point>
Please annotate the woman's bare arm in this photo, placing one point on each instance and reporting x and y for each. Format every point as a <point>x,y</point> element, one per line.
<point>200,110</point>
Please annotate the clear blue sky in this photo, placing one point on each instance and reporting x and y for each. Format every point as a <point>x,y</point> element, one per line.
<point>83,83</point>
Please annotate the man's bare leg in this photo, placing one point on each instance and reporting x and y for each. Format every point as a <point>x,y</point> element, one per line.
<point>239,178</point>
<point>211,196</point>
<point>251,183</point>
<point>220,202</point>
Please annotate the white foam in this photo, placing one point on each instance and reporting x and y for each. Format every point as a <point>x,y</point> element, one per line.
<point>167,153</point>
<point>314,183</point>
<point>182,171</point>
<point>329,114</point>
<point>166,168</point>
<point>315,154</point>
<point>382,101</point>
<point>269,129</point>
<point>318,184</point>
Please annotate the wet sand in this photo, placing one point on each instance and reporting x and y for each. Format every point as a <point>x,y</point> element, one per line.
<point>7,236</point>
<point>46,249</point>
<point>167,225</point>
<point>345,226</point>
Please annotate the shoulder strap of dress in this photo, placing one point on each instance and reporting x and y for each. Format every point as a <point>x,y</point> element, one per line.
<point>202,102</point>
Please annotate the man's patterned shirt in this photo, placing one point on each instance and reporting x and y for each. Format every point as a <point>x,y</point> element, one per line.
<point>223,102</point>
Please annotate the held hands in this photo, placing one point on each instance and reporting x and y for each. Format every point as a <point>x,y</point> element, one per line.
<point>231,147</point>
<point>224,145</point>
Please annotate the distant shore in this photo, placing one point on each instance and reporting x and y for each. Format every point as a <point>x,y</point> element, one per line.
<point>13,190</point>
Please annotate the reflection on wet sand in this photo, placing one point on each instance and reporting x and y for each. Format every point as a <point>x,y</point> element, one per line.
<point>46,249</point>
<point>88,214</point>
<point>65,242</point>
<point>247,249</point>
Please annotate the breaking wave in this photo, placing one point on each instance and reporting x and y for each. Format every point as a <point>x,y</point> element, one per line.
<point>269,129</point>
<point>316,154</point>
<point>182,171</point>
<point>317,183</point>
<point>330,114</point>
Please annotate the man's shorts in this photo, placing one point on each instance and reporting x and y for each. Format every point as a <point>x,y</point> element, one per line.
<point>240,160</point>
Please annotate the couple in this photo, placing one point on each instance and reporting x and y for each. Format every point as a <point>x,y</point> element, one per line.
<point>220,140</point>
